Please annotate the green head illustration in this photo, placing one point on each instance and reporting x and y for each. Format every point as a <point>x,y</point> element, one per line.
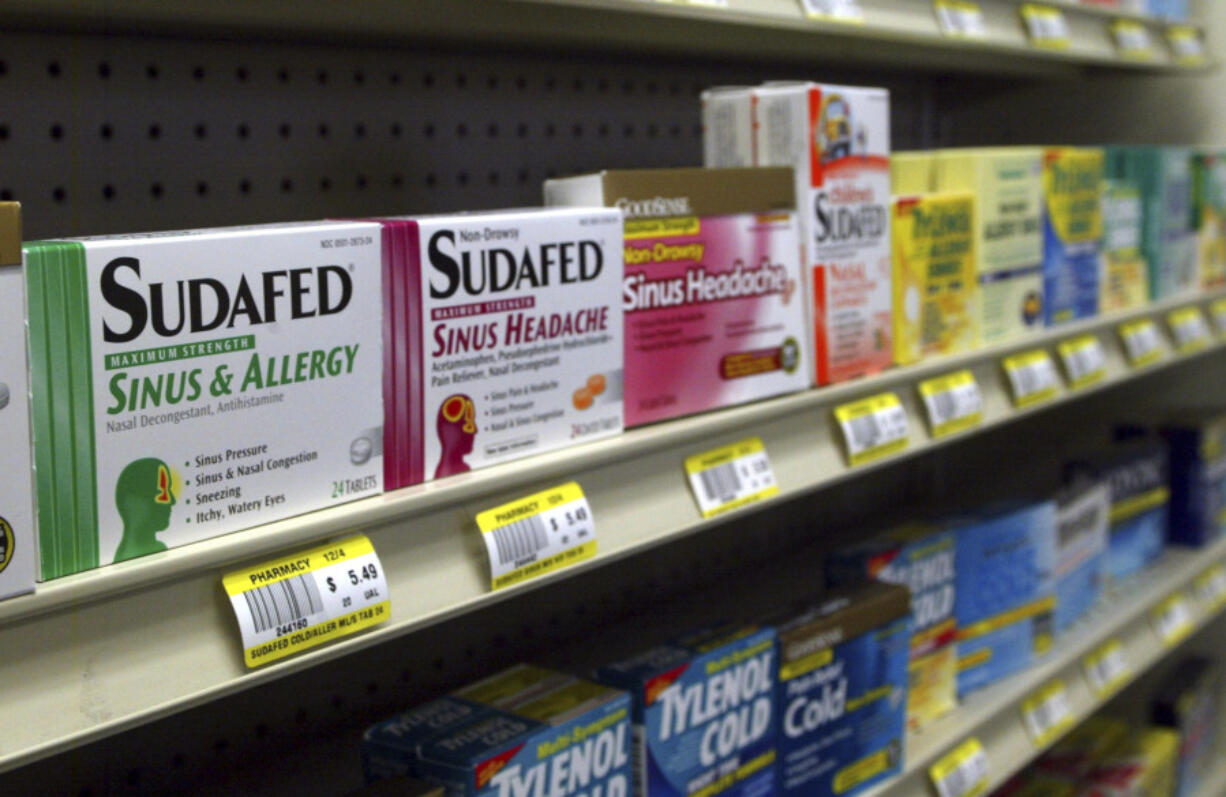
<point>144,495</point>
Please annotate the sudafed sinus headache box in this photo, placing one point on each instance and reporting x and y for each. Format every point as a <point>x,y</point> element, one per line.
<point>18,552</point>
<point>200,382</point>
<point>703,713</point>
<point>837,141</point>
<point>712,294</point>
<point>504,337</point>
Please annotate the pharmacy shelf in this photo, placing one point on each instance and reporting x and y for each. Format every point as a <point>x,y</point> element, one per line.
<point>107,649</point>
<point>890,32</point>
<point>1126,616</point>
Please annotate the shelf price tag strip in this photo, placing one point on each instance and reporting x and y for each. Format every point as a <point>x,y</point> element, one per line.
<point>873,428</point>
<point>836,10</point>
<point>1046,26</point>
<point>539,534</point>
<point>731,477</point>
<point>297,602</point>
<point>960,18</point>
<point>954,403</point>
<point>1132,39</point>
<point>1084,360</point>
<point>1218,311</point>
<point>1032,375</point>
<point>1047,713</point>
<point>1186,44</point>
<point>963,772</point>
<point>1189,329</point>
<point>1211,588</point>
<point>1173,619</point>
<point>1107,668</point>
<point>707,3</point>
<point>1142,341</point>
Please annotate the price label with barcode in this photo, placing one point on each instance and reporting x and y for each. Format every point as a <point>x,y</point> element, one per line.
<point>1218,311</point>
<point>953,401</point>
<point>874,427</point>
<point>1047,713</point>
<point>1107,668</point>
<point>1186,44</point>
<point>1211,588</point>
<point>1045,26</point>
<point>538,534</point>
<point>838,10</point>
<point>960,18</point>
<point>297,602</point>
<point>1032,375</point>
<point>963,772</point>
<point>1173,619</point>
<point>1142,341</point>
<point>1132,39</point>
<point>1084,360</point>
<point>731,477</point>
<point>1189,329</point>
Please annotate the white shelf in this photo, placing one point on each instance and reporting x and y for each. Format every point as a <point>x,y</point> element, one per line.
<point>994,716</point>
<point>103,650</point>
<point>897,33</point>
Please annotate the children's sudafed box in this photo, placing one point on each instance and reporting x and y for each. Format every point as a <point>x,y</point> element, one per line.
<point>842,691</point>
<point>713,299</point>
<point>523,731</point>
<point>504,337</point>
<point>1072,232</point>
<point>922,558</point>
<point>197,383</point>
<point>17,549</point>
<point>703,713</point>
<point>837,140</point>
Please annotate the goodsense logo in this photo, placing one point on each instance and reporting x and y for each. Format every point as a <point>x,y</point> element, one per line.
<point>656,206</point>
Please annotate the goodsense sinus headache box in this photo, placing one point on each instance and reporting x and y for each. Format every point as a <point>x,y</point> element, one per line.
<point>200,382</point>
<point>843,690</point>
<point>523,731</point>
<point>837,141</point>
<point>713,299</point>
<point>18,552</point>
<point>703,713</point>
<point>504,337</point>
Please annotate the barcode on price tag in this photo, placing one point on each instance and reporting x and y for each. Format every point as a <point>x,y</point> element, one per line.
<point>1186,44</point>
<point>1218,311</point>
<point>1132,39</point>
<point>1047,713</point>
<point>1173,619</point>
<point>1142,341</point>
<point>296,602</point>
<point>1107,668</point>
<point>963,772</point>
<point>960,18</point>
<point>538,534</point>
<point>873,427</point>
<point>838,10</point>
<point>954,403</point>
<point>1189,329</point>
<point>730,477</point>
<point>1084,360</point>
<point>1045,26</point>
<point>1211,588</point>
<point>1032,375</point>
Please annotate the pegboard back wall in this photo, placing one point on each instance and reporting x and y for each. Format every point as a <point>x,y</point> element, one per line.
<point>104,134</point>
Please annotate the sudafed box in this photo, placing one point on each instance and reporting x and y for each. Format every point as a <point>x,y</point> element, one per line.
<point>1072,232</point>
<point>200,382</point>
<point>18,553</point>
<point>712,293</point>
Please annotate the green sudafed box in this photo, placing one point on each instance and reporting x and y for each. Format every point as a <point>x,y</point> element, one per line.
<point>196,383</point>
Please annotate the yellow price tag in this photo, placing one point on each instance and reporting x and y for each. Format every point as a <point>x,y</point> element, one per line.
<point>1132,39</point>
<point>1084,360</point>
<point>1173,619</point>
<point>1189,329</point>
<point>1142,341</point>
<point>1211,588</point>
<point>1107,668</point>
<point>834,10</point>
<point>1033,378</point>
<point>873,428</point>
<point>1186,44</point>
<point>731,477</point>
<point>953,401</point>
<point>1047,713</point>
<point>297,602</point>
<point>1218,310</point>
<point>960,18</point>
<point>1045,26</point>
<point>963,772</point>
<point>539,534</point>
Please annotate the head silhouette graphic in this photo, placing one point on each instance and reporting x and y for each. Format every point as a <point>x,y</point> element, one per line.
<point>144,494</point>
<point>457,426</point>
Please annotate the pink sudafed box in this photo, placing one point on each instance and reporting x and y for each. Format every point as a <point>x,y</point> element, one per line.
<point>502,337</point>
<point>714,310</point>
<point>837,139</point>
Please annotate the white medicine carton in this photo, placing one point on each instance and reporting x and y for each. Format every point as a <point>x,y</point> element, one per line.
<point>727,127</point>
